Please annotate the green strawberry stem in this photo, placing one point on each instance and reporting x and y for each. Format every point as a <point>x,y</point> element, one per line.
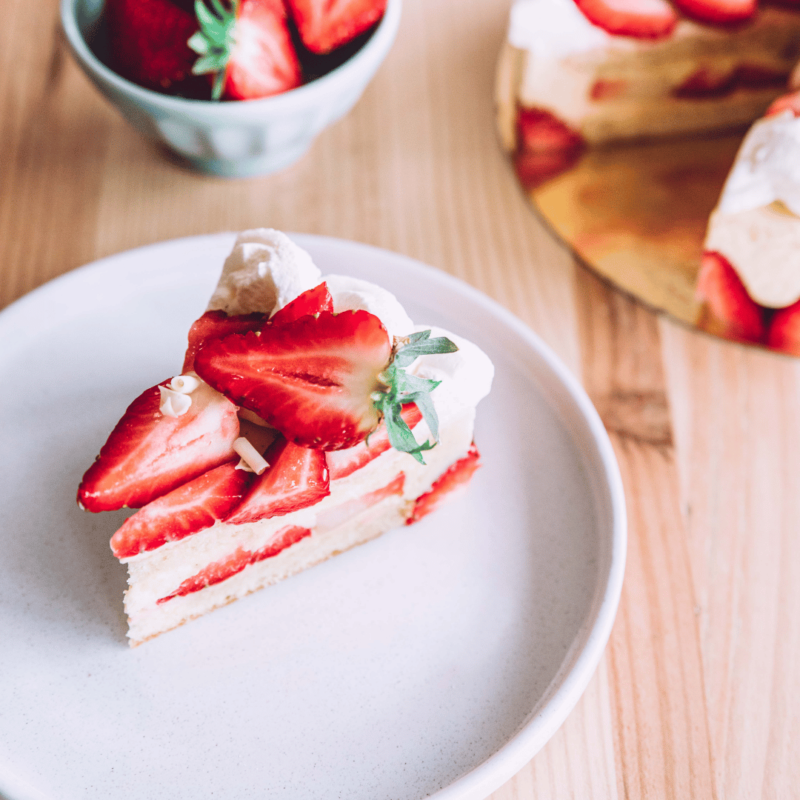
<point>402,388</point>
<point>214,41</point>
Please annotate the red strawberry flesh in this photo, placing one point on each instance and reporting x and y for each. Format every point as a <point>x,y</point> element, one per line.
<point>148,454</point>
<point>312,379</point>
<point>456,477</point>
<point>342,463</point>
<point>784,330</point>
<point>296,478</point>
<point>312,301</point>
<point>789,102</point>
<point>235,563</point>
<point>640,19</point>
<point>728,310</point>
<point>215,325</point>
<point>263,61</point>
<point>190,508</point>
<point>325,25</point>
<point>718,12</point>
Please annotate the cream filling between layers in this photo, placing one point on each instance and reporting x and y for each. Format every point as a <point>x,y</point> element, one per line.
<point>160,572</point>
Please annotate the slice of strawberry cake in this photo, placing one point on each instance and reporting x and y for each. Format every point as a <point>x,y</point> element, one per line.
<point>749,281</point>
<point>586,72</point>
<point>310,415</point>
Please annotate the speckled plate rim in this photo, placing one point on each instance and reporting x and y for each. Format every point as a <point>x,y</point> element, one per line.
<point>589,643</point>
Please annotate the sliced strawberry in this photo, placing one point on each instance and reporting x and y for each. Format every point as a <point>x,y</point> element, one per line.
<point>190,508</point>
<point>262,61</point>
<point>215,325</point>
<point>641,19</point>
<point>325,25</point>
<point>334,517</point>
<point>312,301</point>
<point>457,476</point>
<point>784,330</point>
<point>149,454</point>
<point>718,12</point>
<point>342,463</point>
<point>790,102</point>
<point>312,379</point>
<point>546,146</point>
<point>607,90</point>
<point>756,76</point>
<point>728,310</point>
<point>228,567</point>
<point>706,82</point>
<point>148,41</point>
<point>296,478</point>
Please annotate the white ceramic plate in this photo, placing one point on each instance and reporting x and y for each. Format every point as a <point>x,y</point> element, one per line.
<point>434,661</point>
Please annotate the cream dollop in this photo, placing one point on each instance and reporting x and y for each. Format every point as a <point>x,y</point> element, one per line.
<point>466,375</point>
<point>767,167</point>
<point>265,271</point>
<point>352,294</point>
<point>553,28</point>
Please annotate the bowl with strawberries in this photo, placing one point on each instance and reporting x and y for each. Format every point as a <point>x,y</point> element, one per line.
<point>234,87</point>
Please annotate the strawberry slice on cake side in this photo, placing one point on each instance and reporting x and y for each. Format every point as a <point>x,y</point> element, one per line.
<point>301,428</point>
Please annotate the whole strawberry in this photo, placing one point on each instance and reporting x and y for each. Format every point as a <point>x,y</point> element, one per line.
<point>148,42</point>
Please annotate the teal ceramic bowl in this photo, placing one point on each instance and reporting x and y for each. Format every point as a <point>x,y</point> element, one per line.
<point>238,138</point>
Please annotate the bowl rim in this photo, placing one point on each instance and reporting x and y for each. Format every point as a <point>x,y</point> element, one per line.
<point>376,47</point>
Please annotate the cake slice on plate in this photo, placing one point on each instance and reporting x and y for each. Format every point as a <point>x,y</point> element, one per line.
<point>310,415</point>
<point>574,73</point>
<point>749,281</point>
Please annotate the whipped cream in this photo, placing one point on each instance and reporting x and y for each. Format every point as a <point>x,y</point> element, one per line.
<point>175,400</point>
<point>352,294</point>
<point>767,167</point>
<point>265,271</point>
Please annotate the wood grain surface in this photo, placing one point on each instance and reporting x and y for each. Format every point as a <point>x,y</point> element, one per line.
<point>698,695</point>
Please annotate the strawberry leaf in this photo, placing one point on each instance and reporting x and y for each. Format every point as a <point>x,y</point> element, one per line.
<point>404,387</point>
<point>214,41</point>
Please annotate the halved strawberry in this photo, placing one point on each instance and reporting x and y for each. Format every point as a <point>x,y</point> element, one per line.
<point>457,476</point>
<point>148,41</point>
<point>190,508</point>
<point>312,379</point>
<point>312,301</point>
<point>789,102</point>
<point>325,25</point>
<point>215,325</point>
<point>232,565</point>
<point>296,478</point>
<point>250,54</point>
<point>149,454</point>
<point>784,329</point>
<point>728,310</point>
<point>641,19</point>
<point>546,146</point>
<point>718,12</point>
<point>342,463</point>
<point>706,82</point>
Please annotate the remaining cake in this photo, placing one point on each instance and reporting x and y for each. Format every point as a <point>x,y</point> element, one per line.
<point>310,416</point>
<point>587,72</point>
<point>749,281</point>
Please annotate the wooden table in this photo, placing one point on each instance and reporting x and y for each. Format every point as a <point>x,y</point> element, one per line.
<point>699,692</point>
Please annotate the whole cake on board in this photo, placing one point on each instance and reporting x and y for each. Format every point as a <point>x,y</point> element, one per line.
<point>310,415</point>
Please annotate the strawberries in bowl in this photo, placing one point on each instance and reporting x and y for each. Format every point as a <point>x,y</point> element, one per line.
<point>160,62</point>
<point>246,49</point>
